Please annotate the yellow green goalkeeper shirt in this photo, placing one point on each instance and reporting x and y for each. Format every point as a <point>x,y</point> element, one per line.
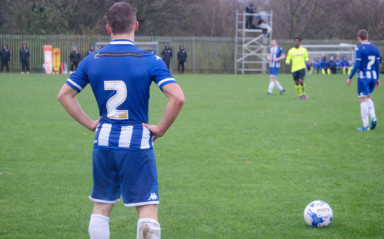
<point>298,56</point>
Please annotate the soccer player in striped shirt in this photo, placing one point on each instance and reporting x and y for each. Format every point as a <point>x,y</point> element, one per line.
<point>368,66</point>
<point>274,56</point>
<point>120,75</point>
<point>298,56</point>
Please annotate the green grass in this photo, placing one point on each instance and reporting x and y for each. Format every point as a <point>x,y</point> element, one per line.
<point>236,163</point>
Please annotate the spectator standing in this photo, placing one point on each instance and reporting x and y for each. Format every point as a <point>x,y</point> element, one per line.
<point>324,66</point>
<point>24,58</point>
<point>166,55</point>
<point>91,50</point>
<point>5,57</point>
<point>75,59</point>
<point>332,66</point>
<point>150,50</point>
<point>317,65</point>
<point>181,58</point>
<point>249,9</point>
<point>339,65</point>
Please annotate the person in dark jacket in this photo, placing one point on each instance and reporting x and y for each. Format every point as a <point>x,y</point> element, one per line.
<point>91,50</point>
<point>75,59</point>
<point>166,55</point>
<point>5,56</point>
<point>150,49</point>
<point>24,58</point>
<point>181,58</point>
<point>249,9</point>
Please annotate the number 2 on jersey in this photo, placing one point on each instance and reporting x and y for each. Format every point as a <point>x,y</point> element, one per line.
<point>371,62</point>
<point>116,100</point>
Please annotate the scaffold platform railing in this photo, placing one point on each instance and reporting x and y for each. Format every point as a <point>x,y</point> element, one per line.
<point>253,35</point>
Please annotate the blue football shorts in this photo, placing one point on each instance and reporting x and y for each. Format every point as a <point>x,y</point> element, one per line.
<point>274,71</point>
<point>130,173</point>
<point>298,74</point>
<point>365,86</point>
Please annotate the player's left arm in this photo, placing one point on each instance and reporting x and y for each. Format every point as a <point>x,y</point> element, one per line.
<point>378,61</point>
<point>306,58</point>
<point>67,97</point>
<point>282,57</point>
<point>175,103</point>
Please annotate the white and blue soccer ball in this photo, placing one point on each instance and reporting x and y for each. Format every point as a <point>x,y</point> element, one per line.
<point>318,214</point>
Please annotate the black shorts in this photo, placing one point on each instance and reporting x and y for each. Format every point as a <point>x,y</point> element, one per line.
<point>298,74</point>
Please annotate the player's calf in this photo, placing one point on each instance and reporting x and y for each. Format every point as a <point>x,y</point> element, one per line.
<point>148,228</point>
<point>98,227</point>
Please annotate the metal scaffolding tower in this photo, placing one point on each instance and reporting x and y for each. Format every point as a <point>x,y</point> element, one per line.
<point>251,46</point>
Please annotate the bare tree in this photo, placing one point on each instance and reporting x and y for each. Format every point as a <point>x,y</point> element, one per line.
<point>311,19</point>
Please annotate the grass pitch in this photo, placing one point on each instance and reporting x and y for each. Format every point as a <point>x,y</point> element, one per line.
<point>236,163</point>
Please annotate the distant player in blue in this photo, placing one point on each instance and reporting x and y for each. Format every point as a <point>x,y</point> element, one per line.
<point>317,65</point>
<point>120,75</point>
<point>331,66</point>
<point>275,54</point>
<point>367,65</point>
<point>339,65</point>
<point>345,65</point>
<point>324,66</point>
<point>308,67</point>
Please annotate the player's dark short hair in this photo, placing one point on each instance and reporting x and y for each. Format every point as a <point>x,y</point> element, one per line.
<point>363,34</point>
<point>121,18</point>
<point>297,38</point>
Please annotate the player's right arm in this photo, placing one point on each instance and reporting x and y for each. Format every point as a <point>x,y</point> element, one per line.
<point>175,103</point>
<point>356,66</point>
<point>67,97</point>
<point>377,62</point>
<point>289,57</point>
<point>269,57</point>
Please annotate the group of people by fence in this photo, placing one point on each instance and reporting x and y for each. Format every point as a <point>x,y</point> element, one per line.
<point>167,55</point>
<point>75,58</point>
<point>333,66</point>
<point>24,55</point>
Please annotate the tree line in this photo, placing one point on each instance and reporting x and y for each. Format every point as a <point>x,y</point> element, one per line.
<point>309,19</point>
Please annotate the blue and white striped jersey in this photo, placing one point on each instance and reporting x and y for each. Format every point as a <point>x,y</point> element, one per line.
<point>275,52</point>
<point>120,75</point>
<point>367,61</point>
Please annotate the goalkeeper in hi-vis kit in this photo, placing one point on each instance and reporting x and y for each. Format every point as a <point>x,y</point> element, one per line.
<point>368,66</point>
<point>123,162</point>
<point>298,56</point>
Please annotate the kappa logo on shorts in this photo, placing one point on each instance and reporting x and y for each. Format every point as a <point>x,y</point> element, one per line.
<point>153,196</point>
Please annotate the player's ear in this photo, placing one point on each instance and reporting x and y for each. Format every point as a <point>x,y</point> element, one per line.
<point>108,29</point>
<point>136,26</point>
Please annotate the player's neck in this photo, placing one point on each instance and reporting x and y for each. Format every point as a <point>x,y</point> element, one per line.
<point>363,41</point>
<point>130,37</point>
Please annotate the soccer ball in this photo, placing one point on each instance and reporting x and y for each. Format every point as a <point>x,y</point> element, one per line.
<point>318,214</point>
